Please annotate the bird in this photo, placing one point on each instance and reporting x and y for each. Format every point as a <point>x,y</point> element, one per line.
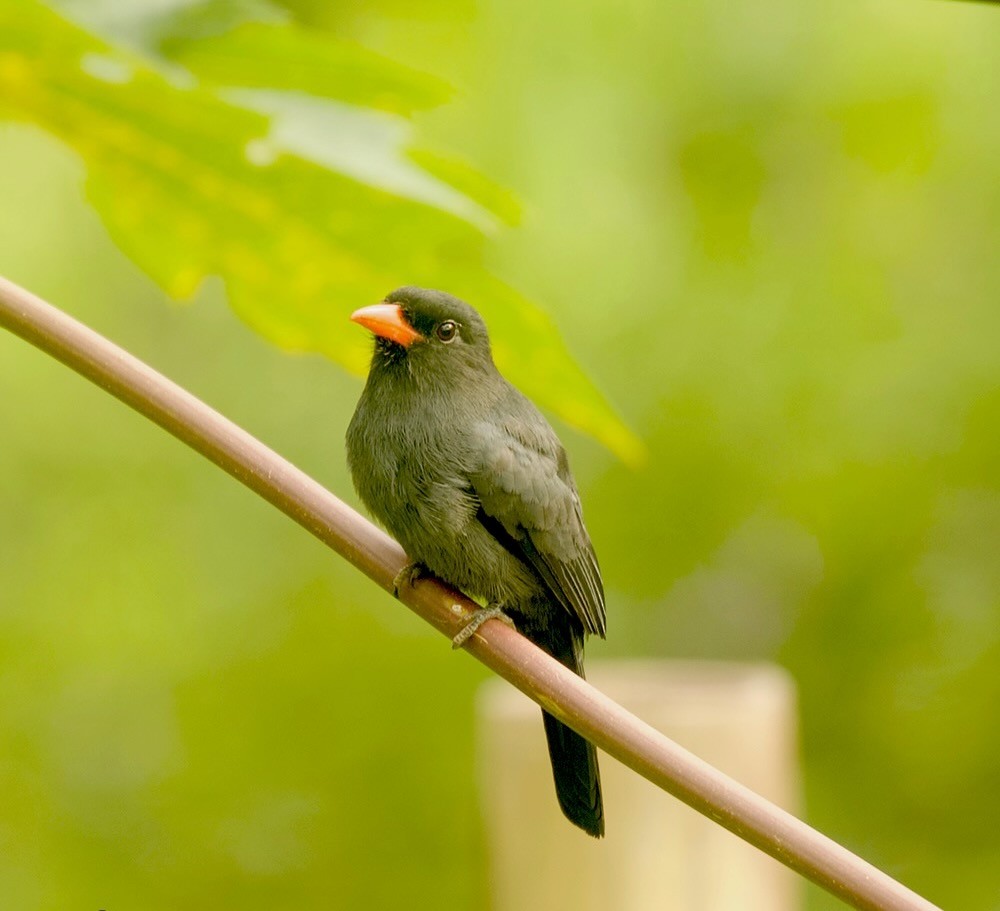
<point>465,472</point>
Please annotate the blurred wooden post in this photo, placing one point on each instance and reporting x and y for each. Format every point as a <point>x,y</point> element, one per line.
<point>658,853</point>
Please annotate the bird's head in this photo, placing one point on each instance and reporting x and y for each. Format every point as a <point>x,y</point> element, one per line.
<point>426,330</point>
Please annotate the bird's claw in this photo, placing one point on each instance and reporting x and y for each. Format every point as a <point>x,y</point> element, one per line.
<point>407,576</point>
<point>478,618</point>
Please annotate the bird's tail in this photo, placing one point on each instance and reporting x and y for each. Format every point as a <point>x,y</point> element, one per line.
<point>574,759</point>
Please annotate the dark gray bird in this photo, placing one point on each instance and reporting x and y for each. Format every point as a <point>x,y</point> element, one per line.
<point>472,481</point>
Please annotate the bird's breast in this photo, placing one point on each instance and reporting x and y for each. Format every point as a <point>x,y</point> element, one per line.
<point>411,461</point>
<point>412,476</point>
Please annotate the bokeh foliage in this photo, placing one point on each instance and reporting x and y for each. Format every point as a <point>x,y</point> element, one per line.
<point>202,163</point>
<point>769,230</point>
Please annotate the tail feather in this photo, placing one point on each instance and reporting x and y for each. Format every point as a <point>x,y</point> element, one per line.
<point>577,776</point>
<point>574,759</point>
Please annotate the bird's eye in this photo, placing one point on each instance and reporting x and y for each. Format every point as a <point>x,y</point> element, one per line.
<point>447,330</point>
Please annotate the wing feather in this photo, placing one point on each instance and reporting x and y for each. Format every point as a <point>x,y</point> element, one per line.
<point>528,499</point>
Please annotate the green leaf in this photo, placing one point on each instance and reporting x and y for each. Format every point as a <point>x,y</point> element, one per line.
<point>472,183</point>
<point>305,208</point>
<point>260,55</point>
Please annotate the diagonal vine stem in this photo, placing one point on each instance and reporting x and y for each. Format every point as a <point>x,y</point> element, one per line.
<point>543,679</point>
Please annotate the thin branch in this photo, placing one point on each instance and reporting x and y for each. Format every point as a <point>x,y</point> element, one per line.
<point>546,681</point>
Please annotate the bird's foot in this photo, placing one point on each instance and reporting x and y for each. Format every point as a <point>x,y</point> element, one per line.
<point>407,576</point>
<point>490,612</point>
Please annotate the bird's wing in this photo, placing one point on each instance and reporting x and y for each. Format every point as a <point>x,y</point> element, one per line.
<point>529,502</point>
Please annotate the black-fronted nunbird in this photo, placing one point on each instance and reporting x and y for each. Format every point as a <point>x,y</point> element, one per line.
<point>470,478</point>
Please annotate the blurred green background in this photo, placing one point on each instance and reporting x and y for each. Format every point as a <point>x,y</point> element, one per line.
<point>767,232</point>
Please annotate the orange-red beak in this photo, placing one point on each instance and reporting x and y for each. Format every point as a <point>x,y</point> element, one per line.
<point>388,321</point>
